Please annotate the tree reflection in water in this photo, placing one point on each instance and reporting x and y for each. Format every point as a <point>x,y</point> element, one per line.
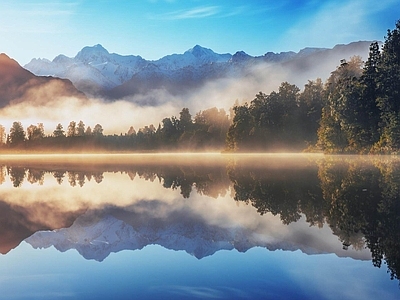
<point>17,175</point>
<point>358,198</point>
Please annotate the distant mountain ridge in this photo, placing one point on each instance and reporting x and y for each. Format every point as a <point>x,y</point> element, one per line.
<point>95,71</point>
<point>97,237</point>
<point>18,85</point>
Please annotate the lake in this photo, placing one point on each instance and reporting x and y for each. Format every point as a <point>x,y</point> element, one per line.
<point>199,226</point>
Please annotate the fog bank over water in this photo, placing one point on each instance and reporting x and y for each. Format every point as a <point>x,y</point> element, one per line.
<point>115,117</point>
<point>152,106</point>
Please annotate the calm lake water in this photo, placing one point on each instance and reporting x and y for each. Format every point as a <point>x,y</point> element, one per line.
<point>199,227</point>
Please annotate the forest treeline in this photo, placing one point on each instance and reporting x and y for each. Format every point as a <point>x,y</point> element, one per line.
<point>357,110</point>
<point>207,130</point>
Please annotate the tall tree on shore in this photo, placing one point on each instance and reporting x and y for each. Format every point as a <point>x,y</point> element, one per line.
<point>185,120</point>
<point>370,92</point>
<point>340,124</point>
<point>35,132</point>
<point>2,135</point>
<point>59,131</point>
<point>17,134</point>
<point>98,130</point>
<point>88,131</point>
<point>311,101</point>
<point>71,129</point>
<point>80,129</point>
<point>238,136</point>
<point>388,99</point>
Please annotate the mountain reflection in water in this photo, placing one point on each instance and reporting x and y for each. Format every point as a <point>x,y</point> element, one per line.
<point>349,206</point>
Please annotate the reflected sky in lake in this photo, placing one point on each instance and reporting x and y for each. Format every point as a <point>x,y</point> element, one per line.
<point>217,227</point>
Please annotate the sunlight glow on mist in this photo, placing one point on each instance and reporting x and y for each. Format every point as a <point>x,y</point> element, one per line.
<point>118,116</point>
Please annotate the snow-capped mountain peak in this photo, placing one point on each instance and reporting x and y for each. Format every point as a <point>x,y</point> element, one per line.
<point>94,53</point>
<point>240,56</point>
<point>207,55</point>
<point>62,59</point>
<point>198,51</point>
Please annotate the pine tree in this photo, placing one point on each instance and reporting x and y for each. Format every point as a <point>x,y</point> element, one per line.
<point>388,99</point>
<point>59,131</point>
<point>17,134</point>
<point>370,93</point>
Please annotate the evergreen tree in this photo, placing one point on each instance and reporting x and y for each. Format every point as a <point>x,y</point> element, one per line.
<point>341,123</point>
<point>311,101</point>
<point>59,131</point>
<point>98,130</point>
<point>2,135</point>
<point>17,134</point>
<point>388,100</point>
<point>369,83</point>
<point>169,131</point>
<point>88,131</point>
<point>71,129</point>
<point>80,129</point>
<point>238,136</point>
<point>185,120</point>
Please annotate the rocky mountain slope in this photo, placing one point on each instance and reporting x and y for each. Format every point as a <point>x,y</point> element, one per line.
<point>18,85</point>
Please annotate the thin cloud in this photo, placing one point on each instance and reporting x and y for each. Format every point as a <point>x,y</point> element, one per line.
<point>235,11</point>
<point>193,13</point>
<point>211,11</point>
<point>39,17</point>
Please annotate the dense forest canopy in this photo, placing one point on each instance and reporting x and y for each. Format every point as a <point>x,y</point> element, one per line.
<point>357,110</point>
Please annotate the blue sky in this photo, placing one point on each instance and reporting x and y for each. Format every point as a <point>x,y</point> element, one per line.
<point>155,28</point>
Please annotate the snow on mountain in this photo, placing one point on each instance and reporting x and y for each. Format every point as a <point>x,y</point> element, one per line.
<point>95,71</point>
<point>195,57</point>
<point>117,68</point>
<point>93,55</point>
<point>96,235</point>
<point>96,240</point>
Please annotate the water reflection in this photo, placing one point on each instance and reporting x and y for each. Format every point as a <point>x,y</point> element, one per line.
<point>204,206</point>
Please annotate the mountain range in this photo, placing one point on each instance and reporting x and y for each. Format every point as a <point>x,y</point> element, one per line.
<point>95,235</point>
<point>96,72</point>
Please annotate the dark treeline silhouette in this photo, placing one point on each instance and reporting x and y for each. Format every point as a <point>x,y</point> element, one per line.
<point>281,121</point>
<point>207,130</point>
<point>210,180</point>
